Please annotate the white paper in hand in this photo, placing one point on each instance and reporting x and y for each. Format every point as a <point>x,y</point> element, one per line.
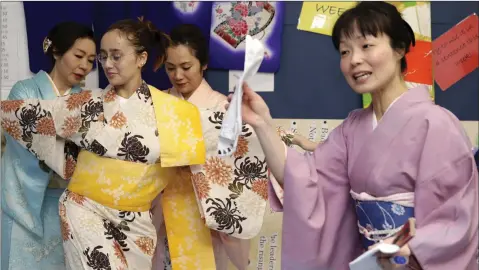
<point>369,261</point>
<point>232,121</point>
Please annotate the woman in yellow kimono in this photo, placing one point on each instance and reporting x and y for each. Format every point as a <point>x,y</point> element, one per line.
<point>135,141</point>
<point>187,59</point>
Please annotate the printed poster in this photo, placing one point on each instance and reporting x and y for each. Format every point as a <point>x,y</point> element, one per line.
<point>186,7</point>
<point>232,21</point>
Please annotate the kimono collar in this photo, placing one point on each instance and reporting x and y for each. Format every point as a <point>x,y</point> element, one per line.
<point>143,90</point>
<point>204,96</point>
<point>47,87</point>
<point>416,94</point>
<point>55,89</point>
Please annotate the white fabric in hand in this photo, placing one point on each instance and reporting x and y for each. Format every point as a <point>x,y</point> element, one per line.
<point>232,122</point>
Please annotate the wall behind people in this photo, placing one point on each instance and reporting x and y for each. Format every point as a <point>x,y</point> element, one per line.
<point>164,15</point>
<point>308,85</point>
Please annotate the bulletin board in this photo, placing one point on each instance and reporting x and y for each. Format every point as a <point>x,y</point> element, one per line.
<point>309,84</point>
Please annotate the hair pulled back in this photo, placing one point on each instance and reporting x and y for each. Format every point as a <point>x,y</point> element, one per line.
<point>190,35</point>
<point>144,37</point>
<point>62,36</point>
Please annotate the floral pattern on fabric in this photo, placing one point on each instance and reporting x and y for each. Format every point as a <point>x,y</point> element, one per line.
<point>232,191</point>
<point>28,251</point>
<point>378,220</point>
<point>97,121</point>
<point>113,239</point>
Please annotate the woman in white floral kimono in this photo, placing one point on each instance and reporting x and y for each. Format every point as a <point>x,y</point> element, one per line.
<point>219,178</point>
<point>135,142</point>
<point>31,237</point>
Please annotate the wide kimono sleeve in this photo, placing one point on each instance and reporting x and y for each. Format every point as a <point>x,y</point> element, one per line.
<point>319,222</point>
<point>35,124</point>
<point>23,181</point>
<point>446,198</point>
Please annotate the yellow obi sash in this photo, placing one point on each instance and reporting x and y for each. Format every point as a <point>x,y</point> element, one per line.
<point>131,186</point>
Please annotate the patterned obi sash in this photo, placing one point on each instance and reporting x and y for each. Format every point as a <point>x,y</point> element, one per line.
<point>380,218</point>
<point>118,184</point>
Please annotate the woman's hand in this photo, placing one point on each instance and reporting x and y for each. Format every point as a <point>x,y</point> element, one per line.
<point>298,140</point>
<point>400,259</point>
<point>255,112</point>
<point>254,109</point>
<point>304,143</point>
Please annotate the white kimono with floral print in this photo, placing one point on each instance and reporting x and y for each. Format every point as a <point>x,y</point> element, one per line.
<point>98,121</point>
<point>237,184</point>
<point>110,126</point>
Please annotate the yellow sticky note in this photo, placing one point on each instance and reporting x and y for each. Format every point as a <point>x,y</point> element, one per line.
<point>320,17</point>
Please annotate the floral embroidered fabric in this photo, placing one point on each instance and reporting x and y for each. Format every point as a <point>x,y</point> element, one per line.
<point>378,220</point>
<point>232,191</point>
<point>99,121</point>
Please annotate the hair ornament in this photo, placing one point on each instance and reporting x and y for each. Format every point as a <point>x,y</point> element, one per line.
<point>46,44</point>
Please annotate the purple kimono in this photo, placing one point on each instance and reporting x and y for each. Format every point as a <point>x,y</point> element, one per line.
<point>418,149</point>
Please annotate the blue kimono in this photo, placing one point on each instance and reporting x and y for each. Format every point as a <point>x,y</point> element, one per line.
<point>31,235</point>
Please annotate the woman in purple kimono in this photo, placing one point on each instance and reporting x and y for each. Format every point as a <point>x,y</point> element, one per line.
<point>402,157</point>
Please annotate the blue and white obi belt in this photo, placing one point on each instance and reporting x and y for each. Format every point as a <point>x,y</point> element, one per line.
<point>382,217</point>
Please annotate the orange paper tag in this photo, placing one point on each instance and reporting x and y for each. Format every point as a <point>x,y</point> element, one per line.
<point>419,63</point>
<point>455,53</point>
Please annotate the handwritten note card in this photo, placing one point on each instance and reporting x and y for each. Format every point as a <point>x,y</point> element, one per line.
<point>455,53</point>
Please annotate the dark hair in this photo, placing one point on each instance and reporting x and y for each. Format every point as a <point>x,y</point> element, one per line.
<point>145,37</point>
<point>191,36</point>
<point>62,36</point>
<point>373,18</point>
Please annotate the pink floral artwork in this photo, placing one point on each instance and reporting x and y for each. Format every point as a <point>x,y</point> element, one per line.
<point>238,19</point>
<point>186,6</point>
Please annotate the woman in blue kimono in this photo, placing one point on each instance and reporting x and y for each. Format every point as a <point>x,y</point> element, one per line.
<point>31,237</point>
